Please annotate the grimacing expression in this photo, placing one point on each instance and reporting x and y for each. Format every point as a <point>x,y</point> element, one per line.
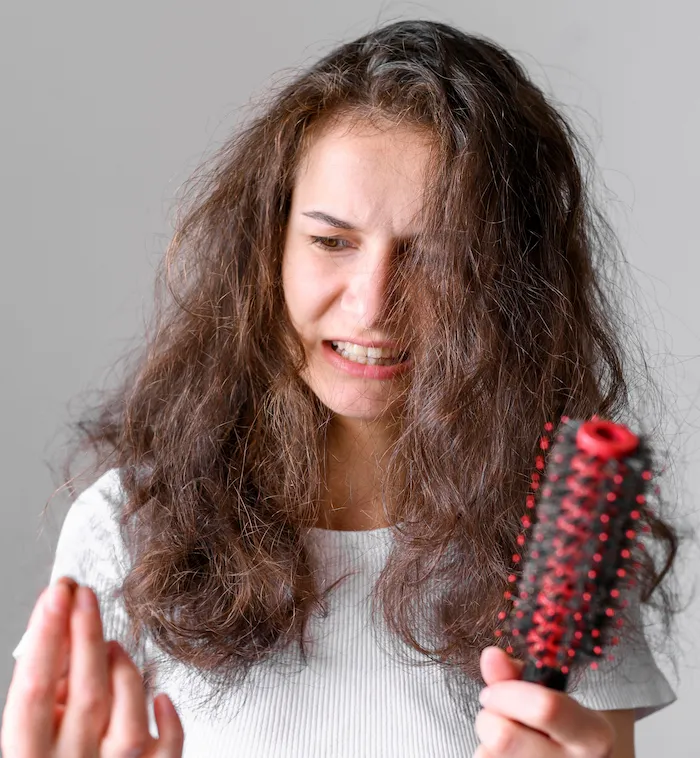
<point>358,194</point>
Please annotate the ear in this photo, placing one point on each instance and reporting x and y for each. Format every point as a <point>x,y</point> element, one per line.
<point>498,666</point>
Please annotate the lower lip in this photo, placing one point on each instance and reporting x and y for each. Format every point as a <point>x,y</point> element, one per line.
<point>363,370</point>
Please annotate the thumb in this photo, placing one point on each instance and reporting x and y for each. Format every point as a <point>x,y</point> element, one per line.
<point>498,666</point>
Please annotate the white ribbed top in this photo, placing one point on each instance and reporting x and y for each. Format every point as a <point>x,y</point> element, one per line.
<point>355,698</point>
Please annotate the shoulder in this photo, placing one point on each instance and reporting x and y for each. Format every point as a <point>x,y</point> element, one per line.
<point>90,550</point>
<point>90,545</point>
<point>104,494</point>
<point>630,678</point>
<point>97,509</point>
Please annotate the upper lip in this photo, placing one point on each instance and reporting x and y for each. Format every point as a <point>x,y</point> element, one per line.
<point>368,343</point>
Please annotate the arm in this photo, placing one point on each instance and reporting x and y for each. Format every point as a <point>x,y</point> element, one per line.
<point>622,721</point>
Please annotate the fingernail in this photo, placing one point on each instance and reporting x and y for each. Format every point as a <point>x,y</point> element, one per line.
<point>57,597</point>
<point>112,650</point>
<point>163,703</point>
<point>70,583</point>
<point>86,599</point>
<point>484,695</point>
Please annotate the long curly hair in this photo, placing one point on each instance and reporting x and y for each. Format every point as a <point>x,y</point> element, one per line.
<point>220,444</point>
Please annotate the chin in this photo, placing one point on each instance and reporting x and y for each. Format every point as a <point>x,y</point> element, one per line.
<point>358,408</point>
<point>349,402</point>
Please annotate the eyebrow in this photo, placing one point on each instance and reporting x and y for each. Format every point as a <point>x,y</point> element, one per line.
<point>339,223</point>
<point>326,218</point>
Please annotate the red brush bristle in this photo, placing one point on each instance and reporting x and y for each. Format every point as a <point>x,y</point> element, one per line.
<point>568,578</point>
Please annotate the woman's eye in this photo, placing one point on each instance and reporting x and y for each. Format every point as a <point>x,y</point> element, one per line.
<point>329,243</point>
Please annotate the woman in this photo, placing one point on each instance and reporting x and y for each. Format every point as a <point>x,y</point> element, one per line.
<point>382,288</point>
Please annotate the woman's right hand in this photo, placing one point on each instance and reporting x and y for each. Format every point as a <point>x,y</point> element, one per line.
<point>69,698</point>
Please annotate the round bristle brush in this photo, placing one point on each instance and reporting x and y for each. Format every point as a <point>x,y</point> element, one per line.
<point>579,553</point>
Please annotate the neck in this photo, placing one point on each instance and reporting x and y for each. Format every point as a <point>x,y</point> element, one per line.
<point>356,456</point>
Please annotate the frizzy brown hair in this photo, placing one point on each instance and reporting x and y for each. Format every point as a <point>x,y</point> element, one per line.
<point>220,444</point>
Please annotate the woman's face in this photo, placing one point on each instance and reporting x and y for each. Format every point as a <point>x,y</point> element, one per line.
<point>358,195</point>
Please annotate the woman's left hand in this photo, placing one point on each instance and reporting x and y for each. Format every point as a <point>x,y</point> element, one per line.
<point>526,720</point>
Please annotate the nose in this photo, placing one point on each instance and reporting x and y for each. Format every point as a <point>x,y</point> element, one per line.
<point>365,292</point>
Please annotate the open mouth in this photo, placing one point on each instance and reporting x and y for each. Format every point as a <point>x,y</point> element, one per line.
<point>371,356</point>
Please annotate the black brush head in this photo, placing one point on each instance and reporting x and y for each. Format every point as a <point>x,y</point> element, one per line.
<point>579,554</point>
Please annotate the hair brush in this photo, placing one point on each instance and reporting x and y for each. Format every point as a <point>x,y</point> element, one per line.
<point>578,557</point>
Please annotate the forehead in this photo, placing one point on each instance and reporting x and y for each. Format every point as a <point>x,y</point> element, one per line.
<point>370,175</point>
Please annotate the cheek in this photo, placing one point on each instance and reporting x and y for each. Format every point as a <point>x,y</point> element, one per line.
<point>292,286</point>
<point>296,296</point>
<point>307,292</point>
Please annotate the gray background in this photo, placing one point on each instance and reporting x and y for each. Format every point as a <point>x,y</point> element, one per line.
<point>107,107</point>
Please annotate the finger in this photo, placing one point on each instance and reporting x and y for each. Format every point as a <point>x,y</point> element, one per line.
<point>127,733</point>
<point>497,666</point>
<point>29,708</point>
<point>72,587</point>
<point>62,691</point>
<point>87,710</point>
<point>64,653</point>
<point>70,583</point>
<point>61,700</point>
<point>503,737</point>
<point>552,712</point>
<point>171,736</point>
<point>59,710</point>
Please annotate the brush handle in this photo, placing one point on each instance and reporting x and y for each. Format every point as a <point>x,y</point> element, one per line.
<point>547,676</point>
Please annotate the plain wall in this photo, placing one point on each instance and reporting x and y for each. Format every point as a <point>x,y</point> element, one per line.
<point>106,108</point>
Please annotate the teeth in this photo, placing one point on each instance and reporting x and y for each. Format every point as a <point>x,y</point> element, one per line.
<point>375,356</point>
<point>366,352</point>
